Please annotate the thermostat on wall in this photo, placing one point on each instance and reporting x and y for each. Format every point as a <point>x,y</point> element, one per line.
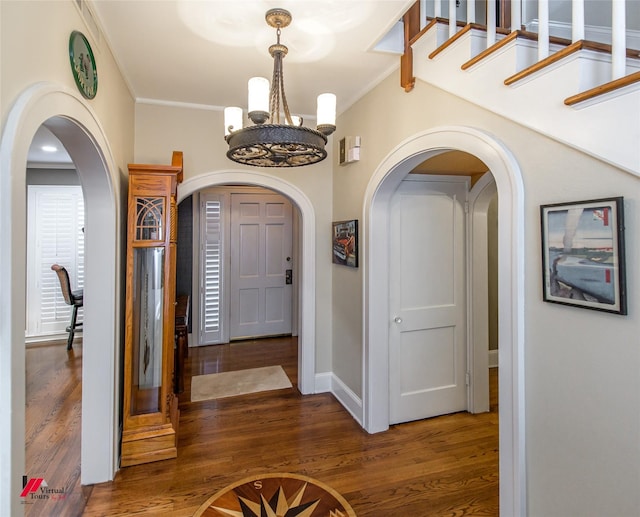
<point>349,149</point>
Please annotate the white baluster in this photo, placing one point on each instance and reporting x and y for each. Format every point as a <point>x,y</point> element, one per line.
<point>471,12</point>
<point>453,27</point>
<point>543,29</point>
<point>577,20</point>
<point>491,22</point>
<point>618,39</point>
<point>423,14</point>
<point>437,9</point>
<point>516,15</point>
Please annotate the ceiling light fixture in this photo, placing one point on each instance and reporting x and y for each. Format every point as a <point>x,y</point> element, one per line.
<point>289,144</point>
<point>49,148</point>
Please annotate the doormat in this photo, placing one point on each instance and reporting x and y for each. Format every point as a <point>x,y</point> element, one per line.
<point>276,495</point>
<point>241,382</point>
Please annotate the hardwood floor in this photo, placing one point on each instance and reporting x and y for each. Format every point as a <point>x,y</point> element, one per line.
<point>52,438</point>
<point>436,467</point>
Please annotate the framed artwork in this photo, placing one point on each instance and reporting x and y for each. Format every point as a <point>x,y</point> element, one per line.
<point>583,254</point>
<point>345,243</point>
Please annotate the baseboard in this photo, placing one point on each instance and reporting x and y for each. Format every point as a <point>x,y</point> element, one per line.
<point>323,382</point>
<point>329,382</point>
<point>493,358</point>
<point>46,337</point>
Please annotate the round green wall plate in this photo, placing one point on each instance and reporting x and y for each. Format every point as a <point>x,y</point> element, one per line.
<point>83,65</point>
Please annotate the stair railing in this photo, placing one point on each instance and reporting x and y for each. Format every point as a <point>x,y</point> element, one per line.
<point>510,12</point>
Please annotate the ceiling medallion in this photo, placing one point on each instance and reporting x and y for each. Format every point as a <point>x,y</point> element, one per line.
<point>275,144</point>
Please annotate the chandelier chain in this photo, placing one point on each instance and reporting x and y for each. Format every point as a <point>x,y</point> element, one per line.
<point>278,99</point>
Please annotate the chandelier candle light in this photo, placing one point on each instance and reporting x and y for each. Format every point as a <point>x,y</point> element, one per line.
<point>273,144</point>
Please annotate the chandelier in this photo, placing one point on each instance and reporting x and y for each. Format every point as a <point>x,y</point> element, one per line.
<point>269,143</point>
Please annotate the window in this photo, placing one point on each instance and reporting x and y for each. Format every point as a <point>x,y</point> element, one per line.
<point>55,235</point>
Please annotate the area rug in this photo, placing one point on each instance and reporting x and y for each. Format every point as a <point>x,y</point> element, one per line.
<point>276,495</point>
<point>241,382</point>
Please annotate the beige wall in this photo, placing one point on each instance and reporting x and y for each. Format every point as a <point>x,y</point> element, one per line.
<point>36,83</point>
<point>582,368</point>
<point>35,47</point>
<point>161,129</point>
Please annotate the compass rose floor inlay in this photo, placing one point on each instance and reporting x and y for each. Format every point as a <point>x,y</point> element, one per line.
<point>276,495</point>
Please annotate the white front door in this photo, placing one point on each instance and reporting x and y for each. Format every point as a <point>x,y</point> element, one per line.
<point>261,265</point>
<point>427,349</point>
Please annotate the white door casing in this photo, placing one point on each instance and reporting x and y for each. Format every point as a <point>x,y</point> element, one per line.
<point>261,253</point>
<point>306,270</point>
<point>480,196</point>
<point>428,346</point>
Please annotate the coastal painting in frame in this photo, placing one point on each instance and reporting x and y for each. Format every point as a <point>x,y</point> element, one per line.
<point>345,243</point>
<point>583,254</point>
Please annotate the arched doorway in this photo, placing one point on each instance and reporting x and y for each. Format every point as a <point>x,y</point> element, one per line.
<point>382,185</point>
<point>77,127</point>
<point>306,339</point>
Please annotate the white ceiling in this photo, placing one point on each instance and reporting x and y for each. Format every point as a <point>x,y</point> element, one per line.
<point>47,151</point>
<point>203,52</point>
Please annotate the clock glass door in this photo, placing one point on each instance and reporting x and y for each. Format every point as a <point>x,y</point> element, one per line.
<point>148,310</point>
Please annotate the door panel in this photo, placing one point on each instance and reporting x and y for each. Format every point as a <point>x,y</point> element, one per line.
<point>427,359</point>
<point>249,250</point>
<point>427,375</point>
<point>261,243</point>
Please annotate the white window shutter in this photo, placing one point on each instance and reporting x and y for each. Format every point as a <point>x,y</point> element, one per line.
<point>211,269</point>
<point>54,236</point>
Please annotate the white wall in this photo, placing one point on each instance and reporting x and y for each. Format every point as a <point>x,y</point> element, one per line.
<point>582,368</point>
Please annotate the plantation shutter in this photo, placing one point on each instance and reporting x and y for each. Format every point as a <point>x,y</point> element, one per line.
<point>54,236</point>
<point>211,269</point>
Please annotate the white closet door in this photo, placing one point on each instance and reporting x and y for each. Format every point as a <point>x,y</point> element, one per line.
<point>54,236</point>
<point>427,347</point>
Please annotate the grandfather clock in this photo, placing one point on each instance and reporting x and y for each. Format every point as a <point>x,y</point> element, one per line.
<point>150,407</point>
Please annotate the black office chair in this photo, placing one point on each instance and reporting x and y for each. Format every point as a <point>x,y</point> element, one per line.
<point>73,298</point>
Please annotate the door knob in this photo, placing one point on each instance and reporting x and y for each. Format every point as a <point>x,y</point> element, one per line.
<point>398,320</point>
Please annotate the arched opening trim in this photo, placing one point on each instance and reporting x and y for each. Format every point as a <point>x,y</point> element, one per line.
<point>381,187</point>
<point>77,126</point>
<point>306,340</point>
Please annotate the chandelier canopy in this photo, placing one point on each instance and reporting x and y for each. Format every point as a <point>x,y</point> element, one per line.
<point>275,144</point>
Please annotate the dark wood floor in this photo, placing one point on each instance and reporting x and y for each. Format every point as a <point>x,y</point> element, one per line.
<point>52,438</point>
<point>442,466</point>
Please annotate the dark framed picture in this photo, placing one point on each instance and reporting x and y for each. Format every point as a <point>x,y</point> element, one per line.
<point>345,243</point>
<point>583,254</point>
